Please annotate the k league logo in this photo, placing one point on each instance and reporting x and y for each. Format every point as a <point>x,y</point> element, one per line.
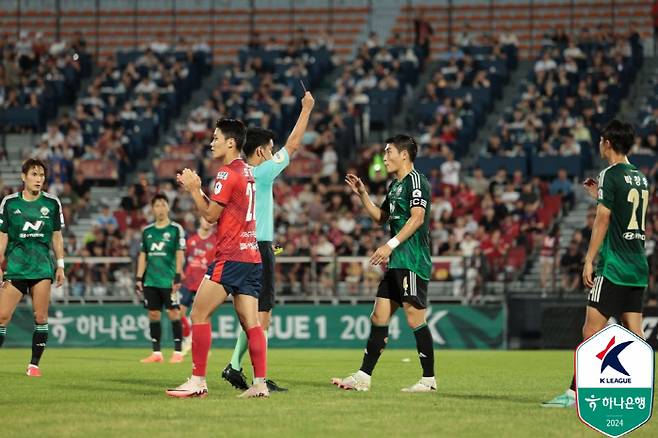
<point>614,381</point>
<point>610,358</point>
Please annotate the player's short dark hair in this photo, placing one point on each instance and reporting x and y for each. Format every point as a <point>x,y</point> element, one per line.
<point>233,128</point>
<point>159,196</point>
<point>31,163</point>
<point>256,137</point>
<point>404,142</point>
<point>620,135</point>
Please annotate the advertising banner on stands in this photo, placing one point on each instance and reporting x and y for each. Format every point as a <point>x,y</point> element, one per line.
<point>293,326</point>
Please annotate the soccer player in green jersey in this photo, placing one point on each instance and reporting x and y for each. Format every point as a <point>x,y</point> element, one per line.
<point>622,272</point>
<point>159,268</point>
<point>406,209</point>
<point>30,222</point>
<point>266,167</point>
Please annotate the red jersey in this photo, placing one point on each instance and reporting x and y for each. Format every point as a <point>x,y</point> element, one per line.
<point>198,255</point>
<point>236,228</point>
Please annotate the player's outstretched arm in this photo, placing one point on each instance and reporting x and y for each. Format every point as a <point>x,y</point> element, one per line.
<point>410,227</point>
<point>377,214</point>
<point>3,248</point>
<point>599,230</point>
<point>58,249</point>
<point>295,139</point>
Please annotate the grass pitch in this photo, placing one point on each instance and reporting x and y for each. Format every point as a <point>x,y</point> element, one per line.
<point>107,392</point>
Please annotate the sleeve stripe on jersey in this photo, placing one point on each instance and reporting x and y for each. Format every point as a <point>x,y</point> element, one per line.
<point>602,176</point>
<point>5,199</point>
<point>181,233</point>
<point>61,212</point>
<point>415,180</point>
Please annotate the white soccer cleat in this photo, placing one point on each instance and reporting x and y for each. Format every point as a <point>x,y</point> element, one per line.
<point>425,384</point>
<point>187,345</point>
<point>258,390</point>
<point>190,389</point>
<point>358,381</point>
<point>566,400</point>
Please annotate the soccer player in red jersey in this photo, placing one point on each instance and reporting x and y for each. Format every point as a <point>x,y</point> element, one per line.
<point>200,251</point>
<point>236,268</point>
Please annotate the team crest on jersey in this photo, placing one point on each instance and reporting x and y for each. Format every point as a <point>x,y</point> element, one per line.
<point>44,211</point>
<point>278,157</point>
<point>398,192</point>
<point>166,237</point>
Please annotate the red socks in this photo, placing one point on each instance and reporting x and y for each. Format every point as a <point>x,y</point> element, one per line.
<point>187,328</point>
<point>257,351</point>
<point>201,340</point>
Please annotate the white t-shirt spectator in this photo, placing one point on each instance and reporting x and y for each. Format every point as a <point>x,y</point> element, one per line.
<point>439,206</point>
<point>545,65</point>
<point>450,172</point>
<point>468,246</point>
<point>329,161</point>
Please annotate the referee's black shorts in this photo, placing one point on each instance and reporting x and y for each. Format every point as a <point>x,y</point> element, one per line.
<point>267,294</point>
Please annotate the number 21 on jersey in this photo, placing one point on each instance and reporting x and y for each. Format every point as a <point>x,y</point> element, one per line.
<point>634,198</point>
<point>251,192</point>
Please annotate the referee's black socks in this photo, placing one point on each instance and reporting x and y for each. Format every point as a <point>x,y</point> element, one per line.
<point>374,348</point>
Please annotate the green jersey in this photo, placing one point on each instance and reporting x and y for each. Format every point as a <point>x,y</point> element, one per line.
<point>29,226</point>
<point>414,253</point>
<point>625,191</point>
<point>160,246</point>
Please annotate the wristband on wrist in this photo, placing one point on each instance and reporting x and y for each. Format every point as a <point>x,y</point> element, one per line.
<point>393,243</point>
<point>60,263</point>
<point>138,279</point>
<point>177,278</point>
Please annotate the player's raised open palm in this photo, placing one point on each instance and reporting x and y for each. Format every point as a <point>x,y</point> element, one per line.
<point>355,184</point>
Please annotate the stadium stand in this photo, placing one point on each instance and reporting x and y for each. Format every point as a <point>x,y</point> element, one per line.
<point>494,222</point>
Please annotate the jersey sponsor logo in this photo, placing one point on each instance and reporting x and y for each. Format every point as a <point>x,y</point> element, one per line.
<point>222,175</point>
<point>278,157</point>
<point>36,227</point>
<point>44,211</point>
<point>157,246</point>
<point>218,187</point>
<point>634,236</point>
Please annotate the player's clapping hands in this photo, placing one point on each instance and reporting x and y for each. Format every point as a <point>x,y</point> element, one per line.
<point>189,180</point>
<point>355,184</point>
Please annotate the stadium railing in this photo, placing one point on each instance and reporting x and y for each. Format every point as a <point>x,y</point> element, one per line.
<point>315,280</point>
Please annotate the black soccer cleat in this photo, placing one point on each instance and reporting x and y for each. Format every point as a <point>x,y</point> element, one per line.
<point>236,378</point>
<point>273,387</point>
